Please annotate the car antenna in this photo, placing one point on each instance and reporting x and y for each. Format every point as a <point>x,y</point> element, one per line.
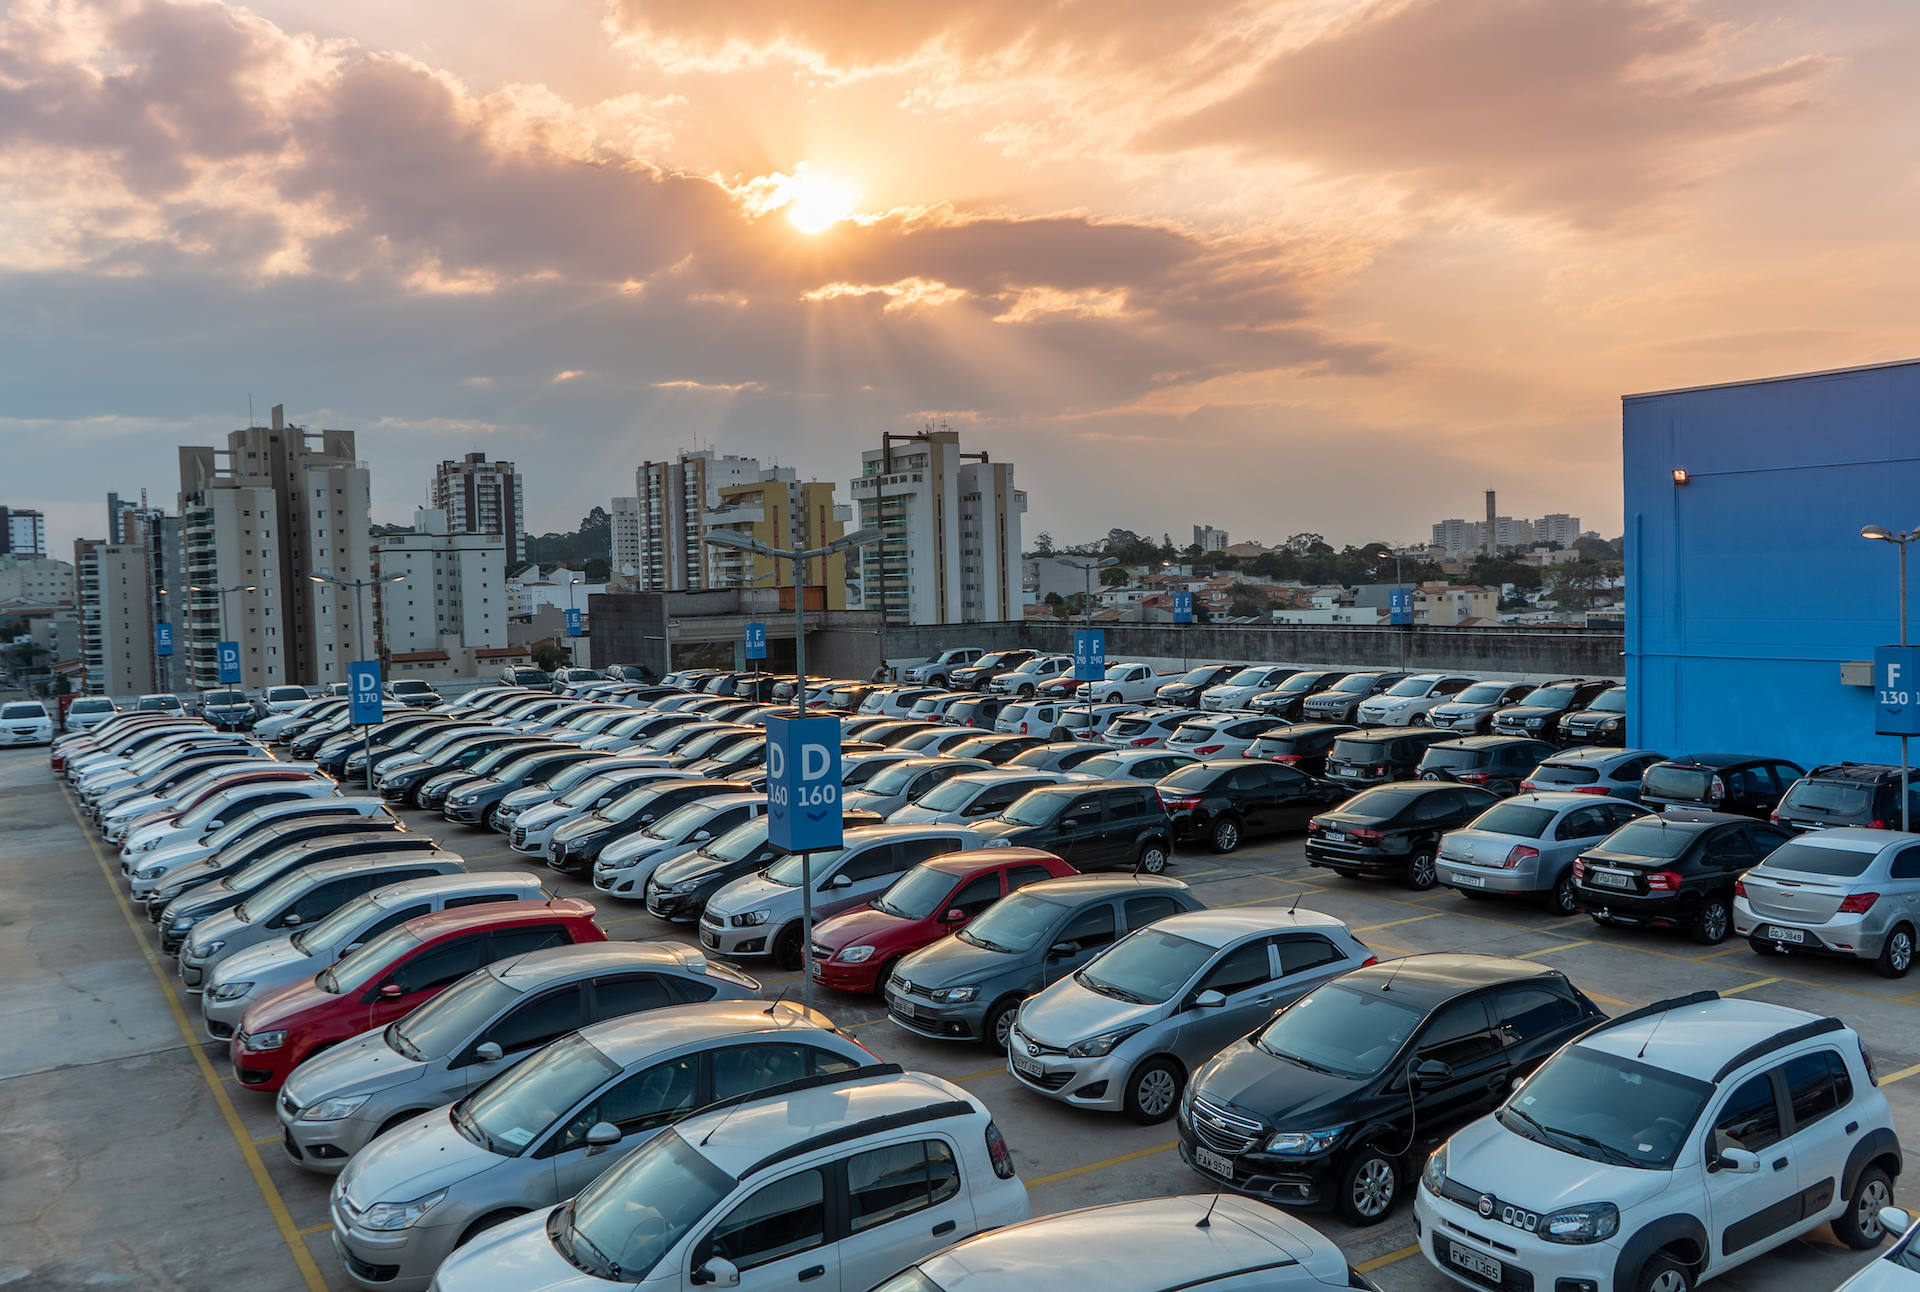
<point>1206,1221</point>
<point>1388,984</point>
<point>768,1011</point>
<point>1651,1033</point>
<point>1296,901</point>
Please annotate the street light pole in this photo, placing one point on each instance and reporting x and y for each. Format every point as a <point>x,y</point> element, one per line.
<point>238,587</point>
<point>1087,568</point>
<point>360,614</point>
<point>1899,540</point>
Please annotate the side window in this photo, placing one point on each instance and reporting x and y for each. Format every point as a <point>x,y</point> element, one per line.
<point>1086,811</point>
<point>1152,769</point>
<point>882,859</point>
<point>617,997</point>
<point>896,1181</point>
<point>392,918</point>
<point>439,966</point>
<point>1305,952</point>
<point>828,1061</point>
<point>1247,965</point>
<point>780,1219</point>
<point>915,851</point>
<point>1810,1087</point>
<point>742,1069</point>
<point>728,819</point>
<point>1583,823</point>
<point>978,895</point>
<point>1458,1035</point>
<point>538,1021</point>
<point>322,898</point>
<point>1624,812</point>
<point>1126,805</point>
<point>1021,876</point>
<point>1522,1013</point>
<point>1089,929</point>
<point>1732,848</point>
<point>1142,911</point>
<point>1436,806</point>
<point>1750,1119</point>
<point>689,991</point>
<point>1906,864</point>
<point>1286,779</point>
<point>479,899</point>
<point>1246,780</point>
<point>644,1100</point>
<point>1452,685</point>
<point>995,798</point>
<point>536,937</point>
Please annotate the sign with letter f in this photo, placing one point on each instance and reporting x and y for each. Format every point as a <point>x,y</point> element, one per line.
<point>1896,690</point>
<point>803,783</point>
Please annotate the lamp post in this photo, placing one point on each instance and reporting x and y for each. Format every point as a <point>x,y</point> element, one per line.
<point>1087,568</point>
<point>573,650</point>
<point>360,615</point>
<point>222,594</point>
<point>800,555</point>
<point>1899,540</point>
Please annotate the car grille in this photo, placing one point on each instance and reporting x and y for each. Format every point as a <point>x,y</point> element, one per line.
<point>519,836</point>
<point>367,1270</point>
<point>220,1031</point>
<point>1033,1047</point>
<point>911,988</point>
<point>290,1105</point>
<point>822,953</point>
<point>1223,1131</point>
<point>713,921</point>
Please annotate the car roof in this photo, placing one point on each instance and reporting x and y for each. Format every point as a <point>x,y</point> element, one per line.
<point>457,884</point>
<point>737,1138</point>
<point>1494,742</point>
<point>1700,819</point>
<point>338,866</point>
<point>721,801</point>
<point>1429,979</point>
<point>1851,838</point>
<point>439,923</point>
<point>1720,760</point>
<point>1560,800</point>
<point>1871,773</point>
<point>1075,888</point>
<point>875,833</point>
<point>634,1037</point>
<point>1696,1040</point>
<point>563,964</point>
<point>1216,928</point>
<point>1597,754</point>
<point>1000,774</point>
<point>1374,735</point>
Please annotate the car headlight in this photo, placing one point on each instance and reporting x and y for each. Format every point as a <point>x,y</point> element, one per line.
<point>388,1216</point>
<point>148,846</point>
<point>267,1040</point>
<point>1304,1142</point>
<point>182,923</point>
<point>1590,1222</point>
<point>1097,1047</point>
<point>1536,722</point>
<point>955,995</point>
<point>1609,724</point>
<point>469,798</point>
<point>854,955</point>
<point>210,949</point>
<point>752,919</point>
<point>150,872</point>
<point>230,990</point>
<point>1435,1174</point>
<point>333,1110</point>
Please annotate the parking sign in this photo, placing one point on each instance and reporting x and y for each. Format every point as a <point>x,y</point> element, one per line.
<point>163,639</point>
<point>573,623</point>
<point>803,783</point>
<point>756,641</point>
<point>1400,605</point>
<point>364,689</point>
<point>1089,654</point>
<point>1896,690</point>
<point>1183,607</point>
<point>229,657</point>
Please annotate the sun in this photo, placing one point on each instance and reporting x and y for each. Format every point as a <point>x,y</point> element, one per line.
<point>817,204</point>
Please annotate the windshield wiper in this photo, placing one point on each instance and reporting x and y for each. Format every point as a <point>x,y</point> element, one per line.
<point>968,935</point>
<point>463,1121</point>
<point>1591,1142</point>
<point>1294,1058</point>
<point>574,1235</point>
<point>400,1045</point>
<point>1529,1121</point>
<point>1108,989</point>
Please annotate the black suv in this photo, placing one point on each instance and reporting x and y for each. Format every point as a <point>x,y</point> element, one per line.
<point>1675,871</point>
<point>1497,763</point>
<point>1184,691</point>
<point>1094,825</point>
<point>1744,784</point>
<point>1859,794</point>
<point>976,675</point>
<point>1603,722</point>
<point>1374,757</point>
<point>1290,697</point>
<point>1226,800</point>
<point>1302,746</point>
<point>1546,707</point>
<point>1391,1073</point>
<point>980,711</point>
<point>1339,702</point>
<point>1393,828</point>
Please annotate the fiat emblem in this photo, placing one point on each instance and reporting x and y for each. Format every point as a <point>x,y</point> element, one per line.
<point>1486,1204</point>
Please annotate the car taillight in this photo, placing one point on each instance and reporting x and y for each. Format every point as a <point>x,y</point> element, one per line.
<point>1774,816</point>
<point>1141,741</point>
<point>1519,854</point>
<point>1473,778</point>
<point>998,1151</point>
<point>1719,789</point>
<point>1185,804</point>
<point>1663,881</point>
<point>1871,825</point>
<point>1023,728</point>
<point>1601,790</point>
<point>1528,785</point>
<point>1371,960</point>
<point>1286,758</point>
<point>1371,835</point>
<point>1740,886</point>
<point>1314,827</point>
<point>1867,1061</point>
<point>1380,771</point>
<point>1208,749</point>
<point>1858,904</point>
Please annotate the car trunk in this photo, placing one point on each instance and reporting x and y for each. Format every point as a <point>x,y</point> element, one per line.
<point>1810,899</point>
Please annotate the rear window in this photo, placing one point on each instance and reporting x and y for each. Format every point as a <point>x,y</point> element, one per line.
<point>1837,798</point>
<point>1358,751</point>
<point>1275,745</point>
<point>1129,727</point>
<point>1442,756</point>
<point>1561,774</point>
<point>293,692</point>
<point>1194,776</point>
<point>1381,804</point>
<point>1664,782</point>
<point>1648,839</point>
<point>1015,712</point>
<point>1812,859</point>
<point>1514,818</point>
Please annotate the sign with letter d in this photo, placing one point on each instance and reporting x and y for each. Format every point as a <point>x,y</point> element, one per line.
<point>364,688</point>
<point>1896,690</point>
<point>228,654</point>
<point>803,783</point>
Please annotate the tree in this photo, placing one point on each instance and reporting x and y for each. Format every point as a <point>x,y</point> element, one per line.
<point>598,570</point>
<point>1576,583</point>
<point>1043,544</point>
<point>548,656</point>
<point>1116,577</point>
<point>1054,602</point>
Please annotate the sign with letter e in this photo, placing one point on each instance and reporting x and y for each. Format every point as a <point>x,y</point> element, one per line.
<point>1896,690</point>
<point>573,623</point>
<point>364,688</point>
<point>803,783</point>
<point>163,639</point>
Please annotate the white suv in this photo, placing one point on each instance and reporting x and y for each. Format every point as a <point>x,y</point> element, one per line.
<point>1405,704</point>
<point>1665,1147</point>
<point>831,1189</point>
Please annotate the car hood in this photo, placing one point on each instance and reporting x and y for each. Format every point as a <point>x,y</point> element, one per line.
<point>912,814</point>
<point>1524,711</point>
<point>951,962</point>
<point>1286,1094</point>
<point>359,1067</point>
<point>998,833</point>
<point>1067,1012</point>
<point>542,815</point>
<point>514,1257</point>
<point>581,827</point>
<point>745,893</point>
<point>422,1155</point>
<point>217,927</point>
<point>528,796</point>
<point>172,854</point>
<point>274,958</point>
<point>195,872</point>
<point>862,924</point>
<point>1455,707</point>
<point>865,799</point>
<point>285,1006</point>
<point>638,845</point>
<point>1487,1156</point>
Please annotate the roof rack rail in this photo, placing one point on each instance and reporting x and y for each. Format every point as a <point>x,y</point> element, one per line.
<point>1792,1036</point>
<point>1648,1011</point>
<point>858,1130</point>
<point>813,1082</point>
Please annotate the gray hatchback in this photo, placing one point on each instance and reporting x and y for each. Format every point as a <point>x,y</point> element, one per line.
<point>969,987</point>
<point>1525,846</point>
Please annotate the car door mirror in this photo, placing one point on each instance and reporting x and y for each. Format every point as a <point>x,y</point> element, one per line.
<point>603,802</point>
<point>488,1052</point>
<point>954,915</point>
<point>1209,1000</point>
<point>1431,1070</point>
<point>291,920</point>
<point>601,1136</point>
<point>1894,1220</point>
<point>392,991</point>
<point>840,881</point>
<point>347,950</point>
<point>215,824</point>
<point>700,836</point>
<point>720,1272</point>
<point>1736,1160</point>
<point>1070,823</point>
<point>1061,950</point>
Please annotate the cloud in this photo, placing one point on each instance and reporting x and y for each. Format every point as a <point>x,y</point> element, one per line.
<point>569,374</point>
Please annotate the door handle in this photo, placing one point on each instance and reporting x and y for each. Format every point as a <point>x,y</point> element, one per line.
<point>1779,1163</point>
<point>812,1272</point>
<point>1267,1000</point>
<point>944,1227</point>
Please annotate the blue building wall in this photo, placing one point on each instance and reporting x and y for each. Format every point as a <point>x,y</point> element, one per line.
<point>1749,586</point>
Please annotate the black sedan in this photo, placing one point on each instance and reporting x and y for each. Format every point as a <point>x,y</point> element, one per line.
<point>1184,691</point>
<point>1225,801</point>
<point>1675,871</point>
<point>1288,699</point>
<point>678,888</point>
<point>997,750</point>
<point>576,845</point>
<point>1393,829</point>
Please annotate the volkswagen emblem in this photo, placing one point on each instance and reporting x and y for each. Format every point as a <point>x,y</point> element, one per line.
<point>1486,1204</point>
<point>1033,1047</point>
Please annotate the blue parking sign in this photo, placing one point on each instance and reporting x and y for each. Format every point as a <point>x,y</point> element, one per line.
<point>163,639</point>
<point>573,623</point>
<point>1400,605</point>
<point>1089,654</point>
<point>1183,607</point>
<point>756,641</point>
<point>803,783</point>
<point>1896,690</point>
<point>364,689</point>
<point>229,657</point>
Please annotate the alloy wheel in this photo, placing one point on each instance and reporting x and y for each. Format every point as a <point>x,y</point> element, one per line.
<point>1373,1187</point>
<point>1156,1092</point>
<point>1873,1196</point>
<point>1668,1281</point>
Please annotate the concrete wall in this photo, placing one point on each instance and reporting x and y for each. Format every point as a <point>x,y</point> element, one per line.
<point>630,628</point>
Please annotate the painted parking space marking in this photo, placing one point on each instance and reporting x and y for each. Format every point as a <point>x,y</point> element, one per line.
<point>1134,1156</point>
<point>1547,951</point>
<point>1391,1258</point>
<point>1747,986</point>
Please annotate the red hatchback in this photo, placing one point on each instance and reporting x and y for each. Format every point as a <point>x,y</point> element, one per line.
<point>393,975</point>
<point>857,950</point>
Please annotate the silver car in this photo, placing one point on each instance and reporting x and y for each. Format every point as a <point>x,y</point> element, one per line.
<point>893,788</point>
<point>555,1124</point>
<point>1612,772</point>
<point>246,976</point>
<point>1131,765</point>
<point>478,1028</point>
<point>532,830</point>
<point>1526,845</point>
<point>1122,1034</point>
<point>1145,728</point>
<point>973,796</point>
<point>1849,891</point>
<point>624,866</point>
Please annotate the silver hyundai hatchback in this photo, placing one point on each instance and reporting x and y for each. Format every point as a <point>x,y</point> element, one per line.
<point>1850,892</point>
<point>1525,845</point>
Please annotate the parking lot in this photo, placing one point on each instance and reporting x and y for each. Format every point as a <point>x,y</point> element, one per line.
<point>132,1160</point>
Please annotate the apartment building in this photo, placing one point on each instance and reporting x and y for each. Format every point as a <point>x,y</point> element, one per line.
<point>1558,528</point>
<point>952,523</point>
<point>37,580</point>
<point>482,497</point>
<point>450,584</point>
<point>116,626</point>
<point>780,511</point>
<point>624,524</point>
<point>1443,605</point>
<point>279,505</point>
<point>658,533</point>
<point>23,532</point>
<point>1209,539</point>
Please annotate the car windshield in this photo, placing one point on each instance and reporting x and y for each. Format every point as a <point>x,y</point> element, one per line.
<point>1247,677</point>
<point>893,779</point>
<point>1552,697</point>
<point>995,660</point>
<point>1145,968</point>
<point>681,822</point>
<point>435,1029</point>
<point>1652,837</point>
<point>274,897</point>
<point>485,763</point>
<point>1562,774</point>
<point>1013,925</point>
<point>624,1222</point>
<point>1812,859</point>
<point>950,796</point>
<point>1692,784</point>
<point>594,723</point>
<point>701,744</point>
<point>1379,805</point>
<point>1300,682</point>
<point>520,766</point>
<point>89,706</point>
<point>334,929</point>
<point>1831,798</point>
<point>1481,693</point>
<point>1103,767</point>
<point>1038,808</point>
<point>916,894</point>
<point>1520,819</point>
<point>786,871</point>
<point>1613,701</point>
<point>159,702</point>
<point>574,773</point>
<point>1358,682</point>
<point>1448,756</point>
<point>358,968</point>
<point>738,843</point>
<point>592,789</point>
<point>1117,671</point>
<point>1414,686</point>
<point>507,1113</point>
<point>1195,676</point>
<point>633,803</point>
<point>225,697</point>
<point>1607,1109</point>
<point>1339,1030</point>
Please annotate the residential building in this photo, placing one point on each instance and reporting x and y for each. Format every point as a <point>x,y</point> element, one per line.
<point>435,584</point>
<point>1209,539</point>
<point>781,511</point>
<point>482,497</point>
<point>261,517</point>
<point>37,579</point>
<point>952,523</point>
<point>23,532</point>
<point>117,509</point>
<point>624,522</point>
<point>1558,528</point>
<point>167,593</point>
<point>1459,537</point>
<point>116,626</point>
<point>1442,605</point>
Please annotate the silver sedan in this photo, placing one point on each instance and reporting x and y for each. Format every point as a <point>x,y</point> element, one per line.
<point>1526,845</point>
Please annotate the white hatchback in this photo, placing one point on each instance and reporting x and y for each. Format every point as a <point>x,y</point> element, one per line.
<point>25,722</point>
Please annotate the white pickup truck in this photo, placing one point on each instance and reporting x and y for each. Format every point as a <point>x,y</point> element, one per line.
<point>1124,682</point>
<point>937,669</point>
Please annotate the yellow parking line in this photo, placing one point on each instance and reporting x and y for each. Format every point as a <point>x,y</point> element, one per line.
<point>271,1139</point>
<point>975,1076</point>
<point>1901,1075</point>
<point>1411,919</point>
<point>1547,951</point>
<point>1381,1262</point>
<point>276,1206</point>
<point>314,1229</point>
<point>1747,986</point>
<point>1101,1166</point>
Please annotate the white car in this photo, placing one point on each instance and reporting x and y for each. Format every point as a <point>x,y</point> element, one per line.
<point>1131,765</point>
<point>1226,736</point>
<point>283,699</point>
<point>1023,680</point>
<point>624,866</point>
<point>25,722</point>
<point>88,712</point>
<point>1236,691</point>
<point>941,666</point>
<point>1145,728</point>
<point>894,702</point>
<point>1898,1268</point>
<point>740,1197</point>
<point>1405,704</point>
<point>1665,1147</point>
<point>1123,682</point>
<point>1088,721</point>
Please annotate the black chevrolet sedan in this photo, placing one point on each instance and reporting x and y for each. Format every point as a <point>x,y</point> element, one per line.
<point>1227,800</point>
<point>1674,871</point>
<point>1393,829</point>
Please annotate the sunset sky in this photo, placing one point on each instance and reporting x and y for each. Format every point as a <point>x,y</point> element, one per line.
<point>1318,265</point>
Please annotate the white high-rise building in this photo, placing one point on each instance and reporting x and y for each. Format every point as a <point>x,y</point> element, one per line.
<point>23,532</point>
<point>482,497</point>
<point>1209,539</point>
<point>625,522</point>
<point>1558,528</point>
<point>452,583</point>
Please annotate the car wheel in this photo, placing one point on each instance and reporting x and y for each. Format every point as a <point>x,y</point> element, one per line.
<point>1369,1186</point>
<point>1115,698</point>
<point>1153,860</point>
<point>1226,835</point>
<point>885,976</point>
<point>786,947</point>
<point>1561,897</point>
<point>1432,776</point>
<point>1896,957</point>
<point>1421,873</point>
<point>997,1022</point>
<point>1419,720</point>
<point>487,1222</point>
<point>1153,1090</point>
<point>1859,1225</point>
<point>1664,1274</point>
<point>1025,691</point>
<point>1711,921</point>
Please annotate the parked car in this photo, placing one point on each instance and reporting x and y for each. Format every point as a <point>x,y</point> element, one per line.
<point>225,710</point>
<point>1613,772</point>
<point>1845,891</point>
<point>970,986</point>
<point>1336,1101</point>
<point>895,701</point>
<point>1232,694</point>
<point>391,976</point>
<point>533,829</point>
<point>1675,871</point>
<point>964,799</point>
<point>1527,846</point>
<point>976,675</point>
<point>1843,794</point>
<point>532,678</point>
<point>253,835</point>
<point>1541,714</point>
<point>1602,722</point>
<point>86,713</point>
<point>933,706</point>
<point>1368,757</point>
<point>629,673</point>
<point>980,711</point>
<point>993,748</point>
<point>1060,756</point>
<point>680,887</point>
<point>474,802</point>
<point>1406,703</point>
<point>1220,736</point>
<point>164,701</point>
<point>858,950</point>
<point>895,786</point>
<point>1131,765</point>
<point>1341,702</point>
<point>1022,680</point>
<point>1145,728</point>
<point>1393,829</point>
<point>1288,700</point>
<point>1123,1033</point>
<point>1302,746</point>
<point>1225,801</point>
<point>1744,784</point>
<point>1187,689</point>
<point>414,692</point>
<point>624,866</point>
<point>940,668</point>
<point>1035,718</point>
<point>574,848</point>
<point>1089,721</point>
<point>1498,763</point>
<point>1122,682</point>
<point>1097,825</point>
<point>930,744</point>
<point>1470,713</point>
<point>160,880</point>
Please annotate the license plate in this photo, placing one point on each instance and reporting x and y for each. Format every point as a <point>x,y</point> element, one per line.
<point>1608,879</point>
<point>1334,836</point>
<point>901,1004</point>
<point>1467,1259</point>
<point>1026,1065</point>
<point>1470,881</point>
<point>1206,1161</point>
<point>709,939</point>
<point>1777,934</point>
